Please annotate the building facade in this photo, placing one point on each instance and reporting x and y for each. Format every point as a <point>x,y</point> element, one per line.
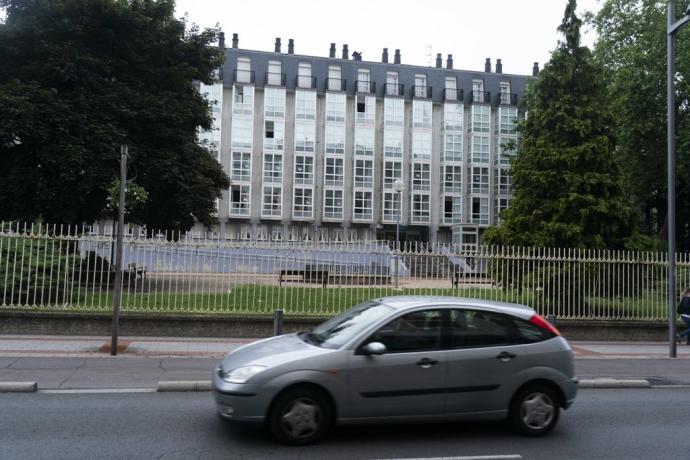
<point>314,146</point>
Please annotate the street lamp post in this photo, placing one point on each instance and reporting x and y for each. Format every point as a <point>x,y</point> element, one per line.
<point>673,27</point>
<point>398,186</point>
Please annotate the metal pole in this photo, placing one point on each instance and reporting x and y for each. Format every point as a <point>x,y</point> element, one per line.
<point>671,180</point>
<point>397,242</point>
<point>118,250</point>
<point>278,322</point>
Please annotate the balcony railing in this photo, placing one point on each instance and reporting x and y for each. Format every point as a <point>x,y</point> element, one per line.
<point>304,81</point>
<point>421,92</point>
<point>481,97</point>
<point>275,79</point>
<point>243,76</point>
<point>507,99</point>
<point>393,89</point>
<point>452,94</point>
<point>336,84</point>
<point>366,87</point>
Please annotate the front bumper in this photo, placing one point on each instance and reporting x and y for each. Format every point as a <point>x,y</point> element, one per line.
<point>240,402</point>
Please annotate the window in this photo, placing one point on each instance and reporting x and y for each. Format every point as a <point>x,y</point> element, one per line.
<point>365,105</point>
<point>451,89</point>
<point>452,210</point>
<point>335,107</point>
<point>304,169</point>
<point>239,200</point>
<point>392,171</point>
<point>501,205</point>
<point>268,134</point>
<point>480,210</point>
<point>392,142</point>
<point>335,82</point>
<point>272,201</point>
<point>391,206</point>
<point>243,100</point>
<point>416,331</point>
<point>420,89</point>
<point>420,208</point>
<point>364,141</point>
<point>421,145</point>
<point>480,180</point>
<point>421,177</point>
<point>504,184</point>
<point>244,70</point>
<point>274,134</point>
<point>302,205</point>
<point>273,168</point>
<point>333,204</point>
<point>480,118</point>
<point>471,328</point>
<point>507,120</point>
<point>305,105</point>
<point>392,84</point>
<point>480,149</point>
<point>478,91</point>
<point>274,76</point>
<point>334,171</point>
<point>452,117</point>
<point>452,149</point>
<point>364,173</point>
<point>241,133</point>
<point>304,137</point>
<point>241,166</point>
<point>362,209</point>
<point>504,91</point>
<point>421,114</point>
<point>505,150</point>
<point>393,112</point>
<point>452,179</point>
<point>274,102</point>
<point>335,139</point>
<point>304,79</point>
<point>363,81</point>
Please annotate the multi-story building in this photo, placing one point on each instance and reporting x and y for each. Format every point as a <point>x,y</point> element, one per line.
<point>317,148</point>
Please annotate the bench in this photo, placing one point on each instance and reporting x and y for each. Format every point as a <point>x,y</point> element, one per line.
<point>137,270</point>
<point>304,276</point>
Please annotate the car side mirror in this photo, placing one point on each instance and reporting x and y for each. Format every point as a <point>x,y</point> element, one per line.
<point>374,348</point>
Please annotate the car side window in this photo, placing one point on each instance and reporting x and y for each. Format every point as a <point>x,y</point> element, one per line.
<point>529,333</point>
<point>416,331</point>
<point>475,328</point>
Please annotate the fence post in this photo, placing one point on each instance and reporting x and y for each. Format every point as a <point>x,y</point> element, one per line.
<point>278,322</point>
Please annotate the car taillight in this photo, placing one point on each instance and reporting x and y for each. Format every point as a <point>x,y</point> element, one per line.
<point>541,323</point>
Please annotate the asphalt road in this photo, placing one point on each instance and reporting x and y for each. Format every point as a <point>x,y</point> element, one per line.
<point>616,424</point>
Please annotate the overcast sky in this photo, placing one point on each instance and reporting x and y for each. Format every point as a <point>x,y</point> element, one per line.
<point>519,32</point>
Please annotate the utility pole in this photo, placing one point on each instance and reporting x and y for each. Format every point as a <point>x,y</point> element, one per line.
<point>118,249</point>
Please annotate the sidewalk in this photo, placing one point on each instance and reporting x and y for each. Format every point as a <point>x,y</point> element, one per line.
<point>147,363</point>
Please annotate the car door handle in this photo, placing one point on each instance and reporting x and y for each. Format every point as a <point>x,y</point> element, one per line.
<point>426,363</point>
<point>505,356</point>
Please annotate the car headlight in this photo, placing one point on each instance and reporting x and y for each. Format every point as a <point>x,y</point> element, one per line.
<point>241,374</point>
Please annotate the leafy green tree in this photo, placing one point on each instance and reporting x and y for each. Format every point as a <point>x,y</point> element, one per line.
<point>631,49</point>
<point>80,77</point>
<point>568,185</point>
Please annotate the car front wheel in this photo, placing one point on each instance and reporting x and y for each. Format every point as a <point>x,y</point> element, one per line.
<point>534,410</point>
<point>300,416</point>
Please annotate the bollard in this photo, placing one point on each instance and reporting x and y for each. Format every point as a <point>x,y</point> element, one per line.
<point>278,322</point>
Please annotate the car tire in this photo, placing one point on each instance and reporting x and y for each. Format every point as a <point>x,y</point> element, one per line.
<point>300,416</point>
<point>534,410</point>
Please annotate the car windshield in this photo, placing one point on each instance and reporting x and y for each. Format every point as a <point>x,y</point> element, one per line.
<point>335,332</point>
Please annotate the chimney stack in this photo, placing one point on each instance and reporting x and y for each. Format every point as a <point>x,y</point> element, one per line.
<point>535,69</point>
<point>277,46</point>
<point>291,46</point>
<point>346,53</point>
<point>487,65</point>
<point>499,66</point>
<point>396,58</point>
<point>384,56</point>
<point>439,61</point>
<point>235,40</point>
<point>221,40</point>
<point>357,56</point>
<point>449,62</point>
<point>331,51</point>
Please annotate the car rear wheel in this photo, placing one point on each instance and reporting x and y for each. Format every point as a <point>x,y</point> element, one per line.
<point>300,416</point>
<point>534,410</point>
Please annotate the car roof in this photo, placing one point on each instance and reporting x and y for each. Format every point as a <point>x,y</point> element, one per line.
<point>406,302</point>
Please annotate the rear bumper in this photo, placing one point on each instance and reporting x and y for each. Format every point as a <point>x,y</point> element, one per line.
<point>569,388</point>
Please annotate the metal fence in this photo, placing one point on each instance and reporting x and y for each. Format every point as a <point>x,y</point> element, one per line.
<point>62,268</point>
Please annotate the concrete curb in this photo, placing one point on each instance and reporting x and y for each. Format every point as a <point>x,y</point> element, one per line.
<point>184,385</point>
<point>18,387</point>
<point>614,383</point>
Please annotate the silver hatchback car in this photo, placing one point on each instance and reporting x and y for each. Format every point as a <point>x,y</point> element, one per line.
<point>403,359</point>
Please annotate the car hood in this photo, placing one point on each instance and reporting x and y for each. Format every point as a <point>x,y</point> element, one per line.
<point>272,351</point>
